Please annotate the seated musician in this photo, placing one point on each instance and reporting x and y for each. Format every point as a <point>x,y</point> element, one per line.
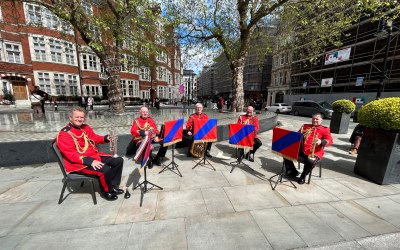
<point>77,143</point>
<point>250,118</point>
<point>198,115</point>
<point>140,128</point>
<point>315,138</point>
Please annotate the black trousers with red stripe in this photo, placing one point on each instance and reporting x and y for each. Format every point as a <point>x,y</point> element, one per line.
<point>109,175</point>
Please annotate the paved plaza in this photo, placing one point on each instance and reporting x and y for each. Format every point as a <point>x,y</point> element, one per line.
<point>205,209</point>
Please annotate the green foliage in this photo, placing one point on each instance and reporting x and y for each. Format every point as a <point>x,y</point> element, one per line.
<point>343,106</point>
<point>62,98</point>
<point>8,96</point>
<point>96,98</point>
<point>382,114</point>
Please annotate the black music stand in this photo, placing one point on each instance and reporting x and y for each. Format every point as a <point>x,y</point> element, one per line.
<point>145,182</point>
<point>172,164</point>
<point>281,175</point>
<point>239,161</point>
<point>203,161</point>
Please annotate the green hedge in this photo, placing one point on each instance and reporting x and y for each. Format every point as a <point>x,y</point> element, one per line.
<point>343,106</point>
<point>382,114</point>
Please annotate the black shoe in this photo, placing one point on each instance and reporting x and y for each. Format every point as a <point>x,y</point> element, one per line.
<point>150,164</point>
<point>127,194</point>
<point>208,155</point>
<point>301,181</point>
<point>251,157</point>
<point>110,196</point>
<point>157,161</point>
<point>292,173</point>
<point>118,191</point>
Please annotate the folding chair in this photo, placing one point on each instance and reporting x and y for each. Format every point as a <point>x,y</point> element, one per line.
<point>72,177</point>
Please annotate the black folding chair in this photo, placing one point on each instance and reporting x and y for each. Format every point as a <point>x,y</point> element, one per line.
<point>309,175</point>
<point>72,177</point>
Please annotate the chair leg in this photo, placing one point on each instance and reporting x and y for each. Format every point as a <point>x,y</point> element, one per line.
<point>309,176</point>
<point>320,169</point>
<point>93,193</point>
<point>62,192</point>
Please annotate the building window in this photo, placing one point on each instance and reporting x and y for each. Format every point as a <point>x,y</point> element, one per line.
<point>145,94</point>
<point>162,91</point>
<point>44,82</point>
<point>123,87</point>
<point>34,14</point>
<point>161,56</point>
<point>90,62</point>
<point>73,85</point>
<point>13,52</point>
<point>51,20</point>
<point>69,53</point>
<point>39,47</point>
<point>133,88</point>
<point>145,74</point>
<point>55,50</point>
<point>87,7</point>
<point>59,84</point>
<point>161,74</point>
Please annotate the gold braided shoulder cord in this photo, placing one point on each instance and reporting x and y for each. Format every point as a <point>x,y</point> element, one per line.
<point>306,133</point>
<point>78,147</point>
<point>146,126</point>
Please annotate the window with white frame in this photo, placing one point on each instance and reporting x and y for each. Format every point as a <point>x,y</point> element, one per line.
<point>55,50</point>
<point>170,93</point>
<point>13,52</point>
<point>177,79</point>
<point>161,74</point>
<point>169,78</point>
<point>161,56</point>
<point>69,53</point>
<point>145,74</point>
<point>124,87</point>
<point>39,47</point>
<point>87,7</point>
<point>145,94</point>
<point>1,14</point>
<point>73,85</point>
<point>34,14</point>
<point>59,84</point>
<point>162,91</point>
<point>43,80</point>
<point>1,52</point>
<point>51,20</point>
<point>90,61</point>
<point>133,88</point>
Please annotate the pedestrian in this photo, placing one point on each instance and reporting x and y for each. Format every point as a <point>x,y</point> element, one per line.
<point>43,97</point>
<point>35,102</point>
<point>90,102</point>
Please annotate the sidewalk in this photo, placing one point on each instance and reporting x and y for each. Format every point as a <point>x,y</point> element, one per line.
<point>205,209</point>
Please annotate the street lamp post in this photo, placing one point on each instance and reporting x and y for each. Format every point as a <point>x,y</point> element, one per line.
<point>383,75</point>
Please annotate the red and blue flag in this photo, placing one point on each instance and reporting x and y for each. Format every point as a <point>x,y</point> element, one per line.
<point>205,130</point>
<point>144,149</point>
<point>173,131</point>
<point>241,135</point>
<point>286,143</point>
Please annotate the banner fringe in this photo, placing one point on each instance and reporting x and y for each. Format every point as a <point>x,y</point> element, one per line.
<point>240,146</point>
<point>284,156</point>
<point>172,142</point>
<point>209,140</point>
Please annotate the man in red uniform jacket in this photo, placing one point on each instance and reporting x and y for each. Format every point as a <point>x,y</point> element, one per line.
<point>315,138</point>
<point>140,128</point>
<point>198,115</point>
<point>251,119</point>
<point>77,143</point>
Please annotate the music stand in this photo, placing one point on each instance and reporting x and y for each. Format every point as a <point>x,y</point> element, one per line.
<point>281,175</point>
<point>172,164</point>
<point>145,182</point>
<point>239,162</point>
<point>203,162</point>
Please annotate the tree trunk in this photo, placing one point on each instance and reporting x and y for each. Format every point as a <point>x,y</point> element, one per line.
<point>115,97</point>
<point>237,68</point>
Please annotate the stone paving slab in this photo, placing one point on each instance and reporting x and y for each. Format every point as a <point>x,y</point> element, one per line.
<point>337,189</point>
<point>131,211</point>
<point>308,226</point>
<point>225,231</point>
<point>364,218</point>
<point>383,207</point>
<point>277,231</point>
<point>216,201</point>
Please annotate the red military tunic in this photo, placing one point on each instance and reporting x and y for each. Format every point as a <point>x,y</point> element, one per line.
<point>192,117</point>
<point>76,144</point>
<point>245,119</point>
<point>309,133</point>
<point>140,124</point>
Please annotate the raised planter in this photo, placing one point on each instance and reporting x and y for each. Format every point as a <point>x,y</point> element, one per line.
<point>378,157</point>
<point>340,123</point>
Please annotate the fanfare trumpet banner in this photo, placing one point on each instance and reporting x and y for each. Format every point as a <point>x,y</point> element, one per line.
<point>205,130</point>
<point>173,131</point>
<point>144,149</point>
<point>286,143</point>
<point>241,135</point>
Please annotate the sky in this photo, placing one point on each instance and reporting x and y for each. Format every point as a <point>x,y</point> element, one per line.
<point>195,58</point>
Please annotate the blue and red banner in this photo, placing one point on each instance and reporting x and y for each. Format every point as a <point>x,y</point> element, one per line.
<point>205,130</point>
<point>144,149</point>
<point>173,131</point>
<point>241,135</point>
<point>286,143</point>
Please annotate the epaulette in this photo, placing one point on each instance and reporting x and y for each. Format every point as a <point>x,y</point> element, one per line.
<point>66,128</point>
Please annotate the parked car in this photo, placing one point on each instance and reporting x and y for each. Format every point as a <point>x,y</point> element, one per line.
<point>279,108</point>
<point>309,108</point>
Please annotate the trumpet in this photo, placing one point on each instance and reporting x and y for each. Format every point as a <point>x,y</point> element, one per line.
<point>113,142</point>
<point>313,145</point>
